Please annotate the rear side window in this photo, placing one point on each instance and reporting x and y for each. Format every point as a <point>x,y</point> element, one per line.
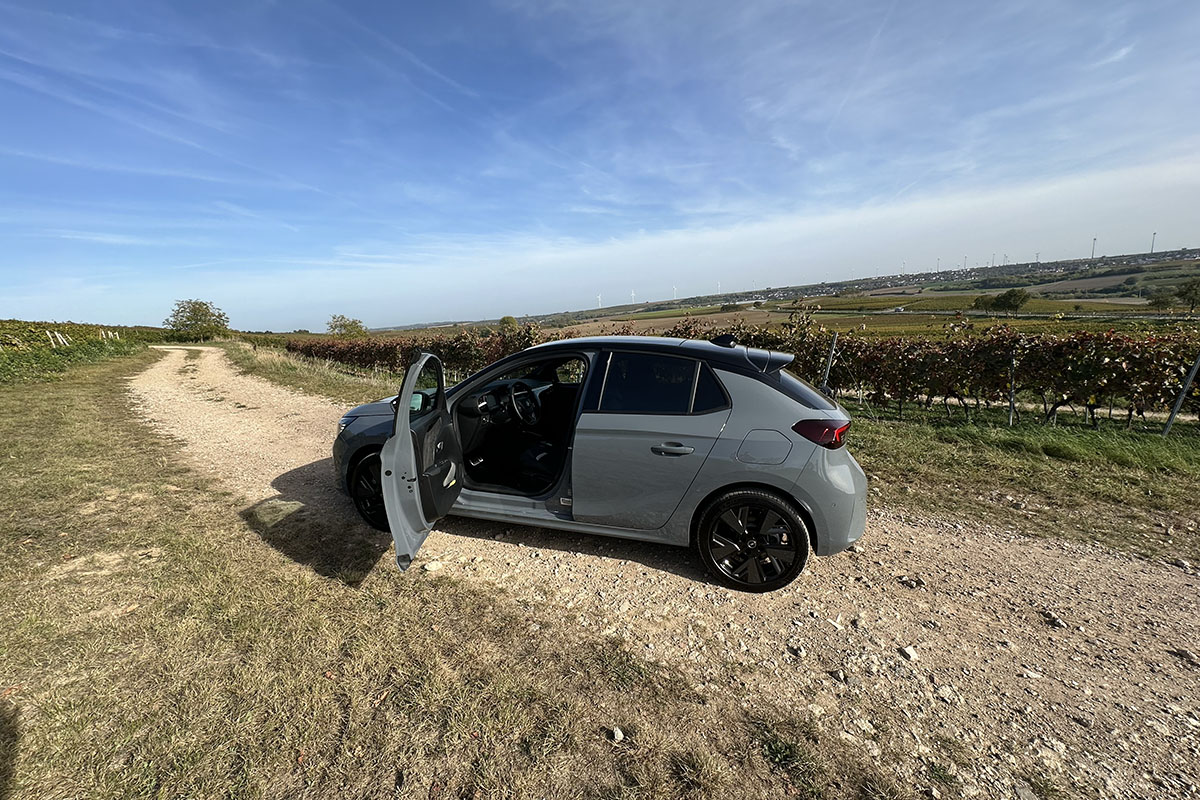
<point>709,394</point>
<point>645,383</point>
<point>803,393</point>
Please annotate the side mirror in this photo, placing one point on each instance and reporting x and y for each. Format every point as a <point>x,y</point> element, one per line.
<point>419,403</point>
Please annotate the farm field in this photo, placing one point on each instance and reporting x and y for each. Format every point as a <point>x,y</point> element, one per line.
<point>874,316</point>
<point>929,301</point>
<point>180,559</point>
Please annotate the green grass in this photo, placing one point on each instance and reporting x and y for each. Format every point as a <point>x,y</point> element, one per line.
<point>1130,489</point>
<point>156,644</point>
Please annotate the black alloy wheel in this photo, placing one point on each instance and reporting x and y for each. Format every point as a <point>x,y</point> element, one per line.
<point>366,490</point>
<point>752,540</point>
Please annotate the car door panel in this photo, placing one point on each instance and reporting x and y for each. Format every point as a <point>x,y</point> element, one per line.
<point>632,470</point>
<point>421,463</point>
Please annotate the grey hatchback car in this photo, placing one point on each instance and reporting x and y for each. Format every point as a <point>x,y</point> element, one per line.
<point>684,442</point>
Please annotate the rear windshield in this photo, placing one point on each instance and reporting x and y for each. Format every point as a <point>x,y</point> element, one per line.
<point>803,392</point>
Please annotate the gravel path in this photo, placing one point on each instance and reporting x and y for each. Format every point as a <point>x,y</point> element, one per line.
<point>1034,658</point>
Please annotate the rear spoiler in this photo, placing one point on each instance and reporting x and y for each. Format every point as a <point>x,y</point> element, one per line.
<point>766,361</point>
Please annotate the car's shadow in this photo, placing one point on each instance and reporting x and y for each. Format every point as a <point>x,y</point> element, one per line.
<point>10,737</point>
<point>315,525</point>
<point>680,561</point>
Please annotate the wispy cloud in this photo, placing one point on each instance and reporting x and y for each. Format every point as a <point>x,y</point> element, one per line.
<point>242,211</point>
<point>136,169</point>
<point>100,237</point>
<point>1118,55</point>
<point>526,148</point>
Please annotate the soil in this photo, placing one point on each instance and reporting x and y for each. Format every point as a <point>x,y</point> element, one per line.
<point>967,661</point>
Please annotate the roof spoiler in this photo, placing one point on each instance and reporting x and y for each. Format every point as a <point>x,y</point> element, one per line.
<point>767,361</point>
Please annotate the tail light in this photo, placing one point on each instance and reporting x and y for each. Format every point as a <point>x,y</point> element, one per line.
<point>830,433</point>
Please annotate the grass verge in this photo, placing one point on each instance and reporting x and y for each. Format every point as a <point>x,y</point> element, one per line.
<point>1130,489</point>
<point>155,646</point>
<point>338,382</point>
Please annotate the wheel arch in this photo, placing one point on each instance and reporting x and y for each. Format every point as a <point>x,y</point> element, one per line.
<point>805,514</point>
<point>357,457</point>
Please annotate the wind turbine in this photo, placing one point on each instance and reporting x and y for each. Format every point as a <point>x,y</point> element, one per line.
<point>598,301</point>
<point>674,293</point>
<point>632,296</point>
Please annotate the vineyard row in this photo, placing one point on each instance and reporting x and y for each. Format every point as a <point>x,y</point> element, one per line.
<point>1134,371</point>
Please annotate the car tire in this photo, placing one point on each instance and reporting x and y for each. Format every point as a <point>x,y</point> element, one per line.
<point>366,490</point>
<point>752,540</point>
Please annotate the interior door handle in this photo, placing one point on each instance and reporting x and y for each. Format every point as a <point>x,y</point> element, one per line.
<point>671,449</point>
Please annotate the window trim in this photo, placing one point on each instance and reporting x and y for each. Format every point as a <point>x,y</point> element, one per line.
<point>700,364</point>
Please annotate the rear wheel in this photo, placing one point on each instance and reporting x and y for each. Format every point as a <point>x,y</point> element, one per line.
<point>366,490</point>
<point>752,540</point>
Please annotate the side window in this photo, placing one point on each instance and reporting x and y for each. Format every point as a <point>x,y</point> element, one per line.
<point>709,394</point>
<point>571,372</point>
<point>644,383</point>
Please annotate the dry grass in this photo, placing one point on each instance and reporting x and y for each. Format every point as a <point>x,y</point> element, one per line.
<point>155,646</point>
<point>330,379</point>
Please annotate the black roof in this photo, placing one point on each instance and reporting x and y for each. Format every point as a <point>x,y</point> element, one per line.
<point>736,357</point>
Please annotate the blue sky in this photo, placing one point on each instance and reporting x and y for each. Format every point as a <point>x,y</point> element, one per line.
<point>406,162</point>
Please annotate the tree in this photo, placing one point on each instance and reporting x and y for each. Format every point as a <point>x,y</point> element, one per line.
<point>1190,294</point>
<point>1162,300</point>
<point>344,327</point>
<point>509,323</point>
<point>1012,300</point>
<point>984,302</point>
<point>197,319</point>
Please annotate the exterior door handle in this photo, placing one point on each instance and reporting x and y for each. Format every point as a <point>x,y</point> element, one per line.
<point>671,449</point>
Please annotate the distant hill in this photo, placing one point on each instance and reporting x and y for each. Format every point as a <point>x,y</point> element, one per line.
<point>1133,276</point>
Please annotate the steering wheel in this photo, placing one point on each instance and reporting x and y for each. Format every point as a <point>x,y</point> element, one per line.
<point>524,403</point>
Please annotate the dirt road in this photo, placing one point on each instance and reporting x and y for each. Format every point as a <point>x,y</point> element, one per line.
<point>1035,659</point>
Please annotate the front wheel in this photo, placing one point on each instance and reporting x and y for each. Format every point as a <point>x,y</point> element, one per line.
<point>752,540</point>
<point>366,490</point>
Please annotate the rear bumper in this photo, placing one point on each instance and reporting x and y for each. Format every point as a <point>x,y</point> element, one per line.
<point>833,488</point>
